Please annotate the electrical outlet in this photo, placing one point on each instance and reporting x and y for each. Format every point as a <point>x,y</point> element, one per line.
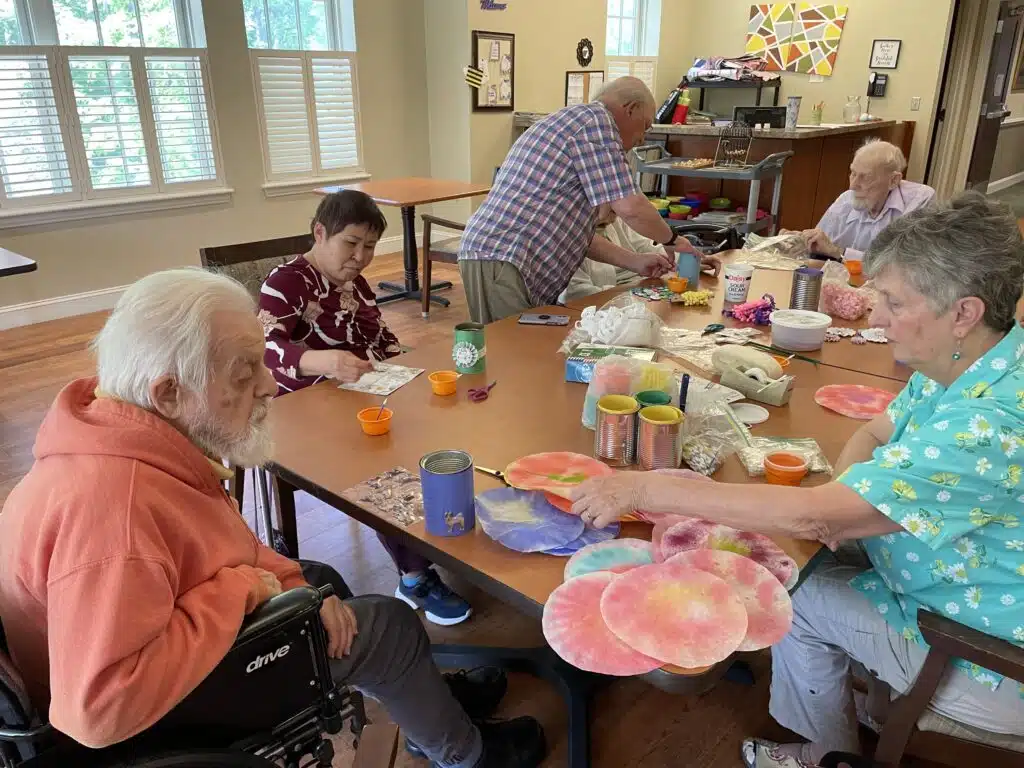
<point>915,104</point>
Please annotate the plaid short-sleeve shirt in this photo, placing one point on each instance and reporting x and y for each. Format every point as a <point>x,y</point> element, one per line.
<point>541,213</point>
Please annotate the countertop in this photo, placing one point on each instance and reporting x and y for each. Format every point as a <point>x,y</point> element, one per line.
<point>526,119</point>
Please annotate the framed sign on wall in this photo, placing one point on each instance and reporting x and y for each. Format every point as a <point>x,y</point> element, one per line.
<point>495,54</point>
<point>885,54</point>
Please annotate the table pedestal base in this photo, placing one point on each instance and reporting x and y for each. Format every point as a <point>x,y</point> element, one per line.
<point>400,292</point>
<point>575,685</point>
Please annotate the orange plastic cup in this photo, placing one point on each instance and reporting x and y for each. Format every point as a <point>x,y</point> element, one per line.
<point>371,424</point>
<point>854,267</point>
<point>784,468</point>
<point>782,361</point>
<point>443,382</point>
<point>676,284</point>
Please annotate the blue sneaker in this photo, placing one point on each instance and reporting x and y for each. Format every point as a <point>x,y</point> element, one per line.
<point>440,604</point>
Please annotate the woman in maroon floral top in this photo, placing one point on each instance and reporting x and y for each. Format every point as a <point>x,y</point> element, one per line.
<point>321,320</point>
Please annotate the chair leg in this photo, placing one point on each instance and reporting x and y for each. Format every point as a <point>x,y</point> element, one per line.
<point>905,711</point>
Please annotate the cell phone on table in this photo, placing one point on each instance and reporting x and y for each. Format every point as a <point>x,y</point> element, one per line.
<point>543,319</point>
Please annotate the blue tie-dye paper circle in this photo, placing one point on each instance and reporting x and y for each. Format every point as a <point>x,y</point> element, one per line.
<point>525,521</point>
<point>589,536</point>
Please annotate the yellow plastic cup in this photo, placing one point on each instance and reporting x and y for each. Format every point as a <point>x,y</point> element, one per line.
<point>619,405</point>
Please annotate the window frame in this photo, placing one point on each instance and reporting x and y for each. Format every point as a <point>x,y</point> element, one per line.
<point>83,200</point>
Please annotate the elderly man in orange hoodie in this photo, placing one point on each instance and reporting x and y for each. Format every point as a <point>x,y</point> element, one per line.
<point>126,571</point>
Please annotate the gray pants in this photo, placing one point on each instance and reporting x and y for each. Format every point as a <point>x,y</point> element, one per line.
<point>391,662</point>
<point>811,692</point>
<point>494,290</point>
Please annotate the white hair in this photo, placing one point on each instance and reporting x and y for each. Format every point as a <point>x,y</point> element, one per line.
<point>885,155</point>
<point>161,326</point>
<point>623,91</point>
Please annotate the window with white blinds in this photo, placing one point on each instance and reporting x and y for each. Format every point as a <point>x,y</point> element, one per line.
<point>304,68</point>
<point>33,155</point>
<point>87,112</point>
<point>309,108</point>
<point>643,67</point>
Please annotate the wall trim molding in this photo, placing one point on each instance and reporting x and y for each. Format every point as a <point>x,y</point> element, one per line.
<point>1009,181</point>
<point>72,305</point>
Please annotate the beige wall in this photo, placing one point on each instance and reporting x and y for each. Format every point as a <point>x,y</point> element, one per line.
<point>691,29</point>
<point>115,251</point>
<point>547,33</point>
<point>447,53</point>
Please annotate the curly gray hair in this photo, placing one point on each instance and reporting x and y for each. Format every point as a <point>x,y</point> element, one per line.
<point>968,246</point>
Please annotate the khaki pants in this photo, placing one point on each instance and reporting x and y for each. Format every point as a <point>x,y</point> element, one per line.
<point>494,290</point>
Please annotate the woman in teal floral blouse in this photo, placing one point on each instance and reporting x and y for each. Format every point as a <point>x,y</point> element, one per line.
<point>929,497</point>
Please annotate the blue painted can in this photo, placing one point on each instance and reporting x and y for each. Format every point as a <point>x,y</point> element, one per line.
<point>447,480</point>
<point>688,267</point>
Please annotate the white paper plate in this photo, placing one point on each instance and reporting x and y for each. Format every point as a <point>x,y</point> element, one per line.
<point>749,413</point>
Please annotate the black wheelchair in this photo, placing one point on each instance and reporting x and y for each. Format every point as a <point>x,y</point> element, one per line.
<point>270,702</point>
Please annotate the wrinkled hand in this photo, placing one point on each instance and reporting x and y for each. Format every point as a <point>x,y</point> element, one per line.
<point>340,624</point>
<point>711,262</point>
<point>601,501</point>
<point>818,242</point>
<point>654,264</point>
<point>347,368</point>
<point>271,585</point>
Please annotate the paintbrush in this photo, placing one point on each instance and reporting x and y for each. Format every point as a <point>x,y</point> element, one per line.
<point>780,351</point>
<point>381,409</point>
<point>684,389</point>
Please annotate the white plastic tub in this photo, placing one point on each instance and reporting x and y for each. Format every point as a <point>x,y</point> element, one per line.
<point>799,330</point>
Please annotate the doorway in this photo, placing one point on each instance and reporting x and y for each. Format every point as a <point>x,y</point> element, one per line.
<point>972,104</point>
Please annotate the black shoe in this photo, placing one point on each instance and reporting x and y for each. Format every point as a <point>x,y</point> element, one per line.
<point>479,691</point>
<point>515,743</point>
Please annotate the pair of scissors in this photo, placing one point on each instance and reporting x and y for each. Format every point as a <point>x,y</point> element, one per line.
<point>495,473</point>
<point>713,328</point>
<point>479,394</point>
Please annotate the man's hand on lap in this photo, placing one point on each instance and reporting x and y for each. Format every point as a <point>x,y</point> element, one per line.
<point>340,622</point>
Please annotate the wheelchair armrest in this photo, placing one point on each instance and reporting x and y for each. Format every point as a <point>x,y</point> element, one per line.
<point>282,608</point>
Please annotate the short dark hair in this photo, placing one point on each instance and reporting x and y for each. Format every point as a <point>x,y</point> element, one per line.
<point>339,209</point>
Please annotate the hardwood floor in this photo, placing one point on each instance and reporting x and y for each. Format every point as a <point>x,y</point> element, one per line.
<point>632,723</point>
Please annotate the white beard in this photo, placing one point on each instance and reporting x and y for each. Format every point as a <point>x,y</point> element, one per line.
<point>253,449</point>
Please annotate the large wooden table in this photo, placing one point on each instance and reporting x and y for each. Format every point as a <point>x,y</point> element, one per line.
<point>407,193</point>
<point>873,359</point>
<point>531,409</point>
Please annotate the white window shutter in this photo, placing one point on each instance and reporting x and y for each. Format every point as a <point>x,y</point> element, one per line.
<point>643,67</point>
<point>334,91</point>
<point>33,157</point>
<point>281,85</point>
<point>111,127</point>
<point>181,117</point>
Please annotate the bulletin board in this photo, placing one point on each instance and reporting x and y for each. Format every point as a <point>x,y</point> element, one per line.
<point>581,86</point>
<point>495,54</point>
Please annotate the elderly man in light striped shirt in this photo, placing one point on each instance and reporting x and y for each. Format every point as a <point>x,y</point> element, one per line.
<point>537,225</point>
<point>877,196</point>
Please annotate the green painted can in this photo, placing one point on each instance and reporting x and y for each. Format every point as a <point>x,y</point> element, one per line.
<point>469,352</point>
<point>653,397</point>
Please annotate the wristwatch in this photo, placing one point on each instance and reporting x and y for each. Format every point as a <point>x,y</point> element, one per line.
<point>675,236</point>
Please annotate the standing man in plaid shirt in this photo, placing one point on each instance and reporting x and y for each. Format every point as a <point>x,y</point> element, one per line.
<point>537,225</point>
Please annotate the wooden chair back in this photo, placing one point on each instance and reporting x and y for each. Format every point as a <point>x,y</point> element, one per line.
<point>250,263</point>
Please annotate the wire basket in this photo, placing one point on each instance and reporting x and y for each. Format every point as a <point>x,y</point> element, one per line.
<point>734,146</point>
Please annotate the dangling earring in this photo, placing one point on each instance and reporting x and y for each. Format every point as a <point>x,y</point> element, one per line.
<point>959,347</point>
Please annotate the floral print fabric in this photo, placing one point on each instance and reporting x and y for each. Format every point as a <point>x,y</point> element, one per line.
<point>302,310</point>
<point>950,477</point>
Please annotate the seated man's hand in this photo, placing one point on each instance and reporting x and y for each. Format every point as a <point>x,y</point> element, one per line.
<point>711,262</point>
<point>653,264</point>
<point>269,586</point>
<point>347,368</point>
<point>340,623</point>
<point>818,242</point>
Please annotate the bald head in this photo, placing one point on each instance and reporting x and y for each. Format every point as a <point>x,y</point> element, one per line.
<point>882,156</point>
<point>876,170</point>
<point>632,106</point>
<point>624,91</point>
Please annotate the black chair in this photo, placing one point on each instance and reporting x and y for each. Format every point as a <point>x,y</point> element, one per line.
<point>269,702</point>
<point>710,238</point>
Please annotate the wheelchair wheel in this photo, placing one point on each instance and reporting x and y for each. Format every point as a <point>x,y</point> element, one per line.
<point>200,758</point>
